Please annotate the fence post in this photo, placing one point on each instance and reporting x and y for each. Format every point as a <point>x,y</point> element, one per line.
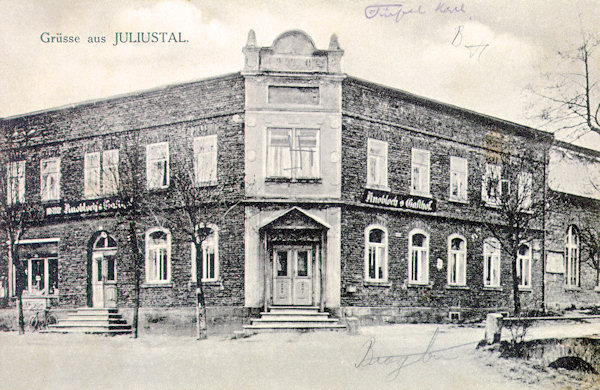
<point>493,328</point>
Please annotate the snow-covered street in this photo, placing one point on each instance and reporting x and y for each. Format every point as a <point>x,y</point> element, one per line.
<point>425,356</point>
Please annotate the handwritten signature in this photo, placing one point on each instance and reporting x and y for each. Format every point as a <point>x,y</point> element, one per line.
<point>398,362</point>
<point>474,50</point>
<point>399,11</point>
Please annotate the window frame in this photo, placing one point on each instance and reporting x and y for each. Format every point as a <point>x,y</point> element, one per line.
<point>148,247</point>
<point>381,164</point>
<point>295,154</point>
<point>422,180</point>
<point>525,190</point>
<point>461,175</point>
<point>492,171</point>
<point>215,244</point>
<point>424,261</point>
<point>15,172</point>
<point>166,169</point>
<point>462,277</point>
<point>572,263</point>
<point>200,177</point>
<point>520,259</point>
<point>379,262</point>
<point>45,194</point>
<point>100,173</point>
<point>492,260</point>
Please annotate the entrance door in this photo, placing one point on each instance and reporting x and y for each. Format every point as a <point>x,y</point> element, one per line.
<point>104,279</point>
<point>292,275</point>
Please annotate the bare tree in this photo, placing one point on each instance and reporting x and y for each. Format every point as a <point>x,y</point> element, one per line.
<point>513,188</point>
<point>570,91</point>
<point>17,214</point>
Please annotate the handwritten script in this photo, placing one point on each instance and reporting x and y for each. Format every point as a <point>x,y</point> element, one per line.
<point>398,362</point>
<point>398,11</point>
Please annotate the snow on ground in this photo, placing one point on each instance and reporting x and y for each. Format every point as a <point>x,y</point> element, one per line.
<point>424,356</point>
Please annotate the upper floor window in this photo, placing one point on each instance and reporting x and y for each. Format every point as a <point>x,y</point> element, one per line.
<point>420,172</point>
<point>572,257</point>
<point>525,190</point>
<point>205,159</point>
<point>377,169</point>
<point>375,254</point>
<point>101,173</point>
<point>210,257</point>
<point>491,262</point>
<point>293,153</point>
<point>458,178</point>
<point>15,183</point>
<point>418,264</point>
<point>457,260</point>
<point>493,188</point>
<point>524,265</point>
<point>157,165</point>
<point>158,255</point>
<point>50,179</point>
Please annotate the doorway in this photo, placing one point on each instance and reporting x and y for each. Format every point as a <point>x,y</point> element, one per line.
<point>293,275</point>
<point>104,272</point>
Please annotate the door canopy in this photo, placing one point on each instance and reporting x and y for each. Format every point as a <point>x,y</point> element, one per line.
<point>294,219</point>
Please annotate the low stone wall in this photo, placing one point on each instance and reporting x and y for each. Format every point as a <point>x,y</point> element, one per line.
<point>401,315</point>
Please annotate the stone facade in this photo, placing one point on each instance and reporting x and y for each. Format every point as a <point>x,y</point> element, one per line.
<point>295,201</point>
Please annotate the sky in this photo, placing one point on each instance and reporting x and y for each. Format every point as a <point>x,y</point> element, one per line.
<point>482,57</point>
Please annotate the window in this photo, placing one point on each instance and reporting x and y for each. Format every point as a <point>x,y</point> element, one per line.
<point>40,264</point>
<point>572,257</point>
<point>377,169</point>
<point>525,190</point>
<point>157,165</point>
<point>457,262</point>
<point>101,173</point>
<point>491,263</point>
<point>524,266</point>
<point>493,188</point>
<point>205,159</point>
<point>293,153</point>
<point>15,191</point>
<point>50,179</point>
<point>458,178</point>
<point>210,257</point>
<point>418,263</point>
<point>420,172</point>
<point>158,256</point>
<point>375,254</point>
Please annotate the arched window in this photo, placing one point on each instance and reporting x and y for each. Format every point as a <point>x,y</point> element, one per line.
<point>457,260</point>
<point>491,262</point>
<point>524,266</point>
<point>158,256</point>
<point>418,260</point>
<point>375,254</point>
<point>572,257</point>
<point>210,257</point>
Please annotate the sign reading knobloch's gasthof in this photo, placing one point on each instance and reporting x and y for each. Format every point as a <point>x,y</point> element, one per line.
<point>92,206</point>
<point>399,201</point>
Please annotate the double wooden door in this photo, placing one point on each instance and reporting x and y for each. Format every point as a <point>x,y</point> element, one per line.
<point>293,275</point>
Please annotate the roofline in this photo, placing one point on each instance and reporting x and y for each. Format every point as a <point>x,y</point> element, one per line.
<point>538,132</point>
<point>115,97</point>
<point>576,148</point>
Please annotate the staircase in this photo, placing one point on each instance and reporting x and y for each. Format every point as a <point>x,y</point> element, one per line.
<point>286,318</point>
<point>91,320</point>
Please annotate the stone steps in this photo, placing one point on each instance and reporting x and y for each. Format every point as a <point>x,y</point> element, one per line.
<point>287,318</point>
<point>91,320</point>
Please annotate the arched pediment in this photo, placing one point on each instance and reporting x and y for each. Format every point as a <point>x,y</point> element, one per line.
<point>293,42</point>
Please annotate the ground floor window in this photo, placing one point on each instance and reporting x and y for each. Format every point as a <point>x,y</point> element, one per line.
<point>41,276</point>
<point>375,254</point>
<point>210,257</point>
<point>491,263</point>
<point>158,256</point>
<point>457,260</point>
<point>418,249</point>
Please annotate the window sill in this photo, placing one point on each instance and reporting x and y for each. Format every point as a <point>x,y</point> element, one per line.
<point>27,295</point>
<point>422,194</point>
<point>372,283</point>
<point>525,289</point>
<point>157,284</point>
<point>206,183</point>
<point>597,289</point>
<point>377,187</point>
<point>572,288</point>
<point>493,288</point>
<point>457,200</point>
<point>289,180</point>
<point>50,200</point>
<point>207,283</point>
<point>417,285</point>
<point>457,287</point>
<point>157,189</point>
